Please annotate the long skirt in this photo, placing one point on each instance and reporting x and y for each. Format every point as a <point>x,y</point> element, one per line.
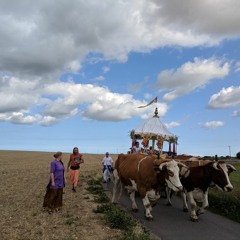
<point>74,177</point>
<point>53,198</point>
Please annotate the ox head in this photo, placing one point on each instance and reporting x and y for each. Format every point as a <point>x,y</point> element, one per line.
<point>171,171</point>
<point>220,177</point>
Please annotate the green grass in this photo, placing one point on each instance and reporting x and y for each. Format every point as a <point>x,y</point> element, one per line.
<point>95,187</point>
<point>69,221</point>
<point>114,216</point>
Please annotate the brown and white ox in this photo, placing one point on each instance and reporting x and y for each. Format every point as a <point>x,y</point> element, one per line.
<point>196,185</point>
<point>145,175</point>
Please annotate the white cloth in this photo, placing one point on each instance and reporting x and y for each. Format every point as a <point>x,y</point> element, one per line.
<point>136,149</point>
<point>107,161</point>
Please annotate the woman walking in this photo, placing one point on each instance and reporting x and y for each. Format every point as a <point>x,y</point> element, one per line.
<point>54,192</point>
<point>74,166</point>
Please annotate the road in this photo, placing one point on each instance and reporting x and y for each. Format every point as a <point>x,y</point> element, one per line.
<point>171,223</point>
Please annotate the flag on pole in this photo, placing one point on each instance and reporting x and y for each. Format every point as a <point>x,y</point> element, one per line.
<point>153,101</point>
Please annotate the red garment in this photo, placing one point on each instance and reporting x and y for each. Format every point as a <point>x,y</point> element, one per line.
<point>73,175</point>
<point>134,140</point>
<point>75,159</point>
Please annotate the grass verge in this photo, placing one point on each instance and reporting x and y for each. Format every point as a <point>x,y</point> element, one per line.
<point>114,216</point>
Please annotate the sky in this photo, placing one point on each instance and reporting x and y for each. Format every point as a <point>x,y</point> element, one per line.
<point>72,73</point>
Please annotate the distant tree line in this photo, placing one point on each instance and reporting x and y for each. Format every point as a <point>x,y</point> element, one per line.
<point>216,157</point>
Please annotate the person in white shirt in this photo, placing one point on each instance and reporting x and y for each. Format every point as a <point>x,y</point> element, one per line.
<point>107,167</point>
<point>136,149</point>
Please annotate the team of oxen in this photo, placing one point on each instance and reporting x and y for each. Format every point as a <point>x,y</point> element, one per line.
<point>148,175</point>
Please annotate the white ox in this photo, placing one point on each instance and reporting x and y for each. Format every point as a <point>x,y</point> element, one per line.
<point>146,175</point>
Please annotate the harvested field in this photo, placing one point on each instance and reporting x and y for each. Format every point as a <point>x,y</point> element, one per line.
<point>23,179</point>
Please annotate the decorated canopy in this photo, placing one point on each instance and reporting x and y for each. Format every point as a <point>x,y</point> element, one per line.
<point>155,130</point>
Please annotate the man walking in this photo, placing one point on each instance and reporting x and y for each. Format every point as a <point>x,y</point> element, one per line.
<point>107,167</point>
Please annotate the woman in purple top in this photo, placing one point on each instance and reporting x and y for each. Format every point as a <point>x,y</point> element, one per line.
<point>53,196</point>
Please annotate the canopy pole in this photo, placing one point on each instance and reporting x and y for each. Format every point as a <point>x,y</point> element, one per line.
<point>153,142</point>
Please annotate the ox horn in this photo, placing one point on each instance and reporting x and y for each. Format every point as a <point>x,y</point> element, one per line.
<point>161,166</point>
<point>156,163</point>
<point>184,170</point>
<point>182,165</point>
<point>230,167</point>
<point>215,165</point>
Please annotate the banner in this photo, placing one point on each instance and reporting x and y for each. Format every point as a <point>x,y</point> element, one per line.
<point>153,101</point>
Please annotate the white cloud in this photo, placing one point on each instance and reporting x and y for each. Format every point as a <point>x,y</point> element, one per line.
<point>73,66</point>
<point>236,113</point>
<point>117,107</point>
<point>212,124</point>
<point>20,118</point>
<point>48,121</point>
<point>54,102</point>
<point>172,124</point>
<point>100,104</point>
<point>99,78</point>
<point>17,94</point>
<point>41,40</point>
<point>215,18</point>
<point>227,97</point>
<point>237,66</point>
<point>59,109</point>
<point>105,69</point>
<point>190,76</point>
<point>56,35</point>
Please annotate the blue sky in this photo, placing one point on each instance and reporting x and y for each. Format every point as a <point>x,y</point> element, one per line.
<point>72,73</point>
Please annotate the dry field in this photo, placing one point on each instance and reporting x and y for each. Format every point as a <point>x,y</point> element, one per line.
<point>23,179</point>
